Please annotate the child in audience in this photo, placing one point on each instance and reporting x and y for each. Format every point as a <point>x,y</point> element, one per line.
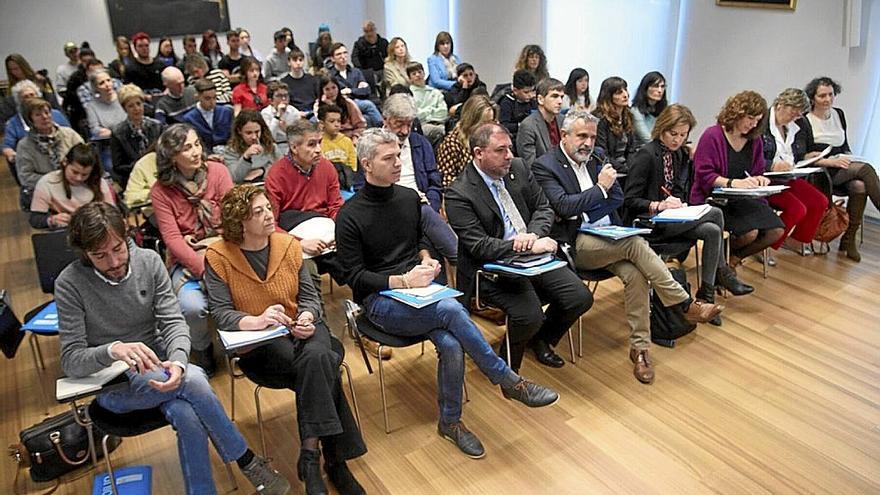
<point>335,146</point>
<point>515,106</point>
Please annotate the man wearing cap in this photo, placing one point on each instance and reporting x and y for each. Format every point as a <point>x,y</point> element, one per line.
<point>65,70</point>
<point>275,65</point>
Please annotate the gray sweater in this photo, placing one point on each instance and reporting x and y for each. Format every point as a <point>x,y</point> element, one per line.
<point>93,314</point>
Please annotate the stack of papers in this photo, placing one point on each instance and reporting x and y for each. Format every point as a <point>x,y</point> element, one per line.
<point>322,228</point>
<point>502,266</point>
<point>615,232</point>
<point>684,214</point>
<point>422,296</point>
<point>810,161</point>
<point>65,388</point>
<point>527,260</point>
<point>756,192</point>
<point>250,338</point>
<point>797,172</point>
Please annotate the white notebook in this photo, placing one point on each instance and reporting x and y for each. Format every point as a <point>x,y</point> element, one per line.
<point>66,388</point>
<point>244,338</point>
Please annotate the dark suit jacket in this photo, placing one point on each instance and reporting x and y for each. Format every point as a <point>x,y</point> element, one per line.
<point>216,134</point>
<point>646,177</point>
<point>560,184</point>
<point>533,138</point>
<point>476,218</point>
<point>122,146</point>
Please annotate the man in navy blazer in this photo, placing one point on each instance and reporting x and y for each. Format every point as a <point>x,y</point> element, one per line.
<point>213,123</point>
<point>488,232</point>
<point>583,191</point>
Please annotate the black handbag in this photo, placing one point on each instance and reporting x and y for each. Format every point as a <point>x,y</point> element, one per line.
<point>669,323</point>
<point>10,328</point>
<point>56,446</point>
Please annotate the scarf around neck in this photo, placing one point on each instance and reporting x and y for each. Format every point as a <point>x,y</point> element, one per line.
<point>194,191</point>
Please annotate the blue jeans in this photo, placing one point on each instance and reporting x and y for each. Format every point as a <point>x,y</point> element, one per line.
<point>194,306</point>
<point>371,113</point>
<point>194,412</point>
<point>450,328</point>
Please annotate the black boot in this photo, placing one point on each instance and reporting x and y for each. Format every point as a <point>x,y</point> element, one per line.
<point>855,206</point>
<point>308,470</point>
<point>340,476</point>
<point>707,295</point>
<point>726,277</point>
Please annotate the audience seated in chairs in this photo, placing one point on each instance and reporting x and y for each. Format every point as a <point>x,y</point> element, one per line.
<point>140,182</point>
<point>539,132</point>
<point>825,125</point>
<point>353,123</point>
<point>275,65</point>
<point>498,210</point>
<point>250,151</point>
<point>177,99</point>
<point>577,91</point>
<point>132,137</point>
<point>251,93</point>
<point>212,122</point>
<point>144,71</point>
<point>584,193</point>
<point>118,304</point>
<point>453,154</point>
<point>660,180</point>
<point>230,64</point>
<point>61,192</point>
<point>256,279</point>
<point>210,49</point>
<point>303,86</point>
<point>649,101</point>
<point>186,201</point>
<point>41,151</point>
<point>378,258</point>
<point>16,129</point>
<point>616,132</point>
<point>430,105</point>
<point>802,204</point>
<point>730,154</point>
<point>279,114</point>
<point>519,103</point>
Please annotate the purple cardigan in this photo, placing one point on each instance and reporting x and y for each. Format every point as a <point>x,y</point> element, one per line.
<point>710,162</point>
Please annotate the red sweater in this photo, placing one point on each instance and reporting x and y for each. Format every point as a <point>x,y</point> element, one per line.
<point>177,218</point>
<point>289,189</point>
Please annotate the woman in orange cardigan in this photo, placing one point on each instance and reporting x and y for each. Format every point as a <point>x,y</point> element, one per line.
<point>256,280</point>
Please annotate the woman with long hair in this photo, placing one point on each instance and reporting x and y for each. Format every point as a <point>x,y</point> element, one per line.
<point>210,48</point>
<point>442,63</point>
<point>18,69</point>
<point>532,59</point>
<point>649,102</point>
<point>615,131</point>
<point>251,93</point>
<point>123,58</point>
<point>186,200</point>
<point>165,52</point>
<point>453,154</point>
<point>245,48</point>
<point>577,90</point>
<point>353,122</point>
<point>731,154</point>
<point>395,64</point>
<point>59,193</point>
<point>251,150</point>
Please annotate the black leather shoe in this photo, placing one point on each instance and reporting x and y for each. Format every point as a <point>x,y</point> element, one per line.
<point>716,321</point>
<point>466,441</point>
<point>205,359</point>
<point>726,277</point>
<point>546,356</point>
<point>308,470</point>
<point>343,480</point>
<point>530,394</point>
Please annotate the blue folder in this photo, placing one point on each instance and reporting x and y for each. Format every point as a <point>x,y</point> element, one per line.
<point>131,480</point>
<point>421,302</point>
<point>525,272</point>
<point>46,321</point>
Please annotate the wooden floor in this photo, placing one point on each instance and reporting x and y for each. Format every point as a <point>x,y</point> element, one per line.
<point>783,398</point>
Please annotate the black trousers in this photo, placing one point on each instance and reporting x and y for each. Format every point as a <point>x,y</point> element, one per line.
<point>521,298</point>
<point>311,369</point>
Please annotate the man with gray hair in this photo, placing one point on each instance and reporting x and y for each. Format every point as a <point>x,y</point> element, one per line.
<point>177,98</point>
<point>583,191</point>
<point>379,258</point>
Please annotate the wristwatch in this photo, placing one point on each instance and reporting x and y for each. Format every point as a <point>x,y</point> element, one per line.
<point>729,182</point>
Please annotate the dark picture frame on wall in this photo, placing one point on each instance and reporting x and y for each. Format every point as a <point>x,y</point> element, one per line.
<point>760,4</point>
<point>160,18</point>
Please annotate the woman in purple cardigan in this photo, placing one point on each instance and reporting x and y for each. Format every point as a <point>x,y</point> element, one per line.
<point>731,154</point>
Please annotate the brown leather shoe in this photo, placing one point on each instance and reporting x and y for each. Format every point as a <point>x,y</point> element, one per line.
<point>373,348</point>
<point>643,368</point>
<point>701,312</point>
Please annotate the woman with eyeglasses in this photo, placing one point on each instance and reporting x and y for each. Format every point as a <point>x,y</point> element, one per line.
<point>802,205</point>
<point>251,93</point>
<point>649,102</point>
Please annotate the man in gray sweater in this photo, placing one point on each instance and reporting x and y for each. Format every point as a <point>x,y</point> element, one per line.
<point>117,304</point>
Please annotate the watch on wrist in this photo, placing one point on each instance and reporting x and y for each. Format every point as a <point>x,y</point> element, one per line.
<point>729,182</point>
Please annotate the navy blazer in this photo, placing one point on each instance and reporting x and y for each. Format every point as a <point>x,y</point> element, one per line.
<point>560,184</point>
<point>428,178</point>
<point>216,134</point>
<point>476,218</point>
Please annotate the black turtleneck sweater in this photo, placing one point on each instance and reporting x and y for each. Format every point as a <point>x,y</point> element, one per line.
<point>378,235</point>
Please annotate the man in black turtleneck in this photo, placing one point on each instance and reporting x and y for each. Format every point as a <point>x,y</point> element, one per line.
<point>378,234</point>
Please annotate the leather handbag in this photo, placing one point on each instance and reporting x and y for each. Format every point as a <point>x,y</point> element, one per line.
<point>834,222</point>
<point>10,328</point>
<point>56,446</point>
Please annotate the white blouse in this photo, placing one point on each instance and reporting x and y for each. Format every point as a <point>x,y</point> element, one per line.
<point>828,131</point>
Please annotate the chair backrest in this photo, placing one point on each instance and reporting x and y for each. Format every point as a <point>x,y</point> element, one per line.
<point>52,255</point>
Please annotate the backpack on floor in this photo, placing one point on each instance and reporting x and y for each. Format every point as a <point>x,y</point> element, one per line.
<point>668,324</point>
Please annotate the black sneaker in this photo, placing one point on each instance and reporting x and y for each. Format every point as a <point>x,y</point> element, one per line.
<point>530,394</point>
<point>342,479</point>
<point>266,480</point>
<point>466,441</point>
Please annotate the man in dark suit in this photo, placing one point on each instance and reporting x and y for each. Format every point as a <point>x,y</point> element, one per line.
<point>539,132</point>
<point>213,123</point>
<point>584,192</point>
<point>498,211</point>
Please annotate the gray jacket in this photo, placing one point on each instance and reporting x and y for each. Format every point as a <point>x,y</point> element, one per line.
<point>533,138</point>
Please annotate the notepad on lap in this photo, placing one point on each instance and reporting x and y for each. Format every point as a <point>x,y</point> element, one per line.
<point>797,172</point>
<point>524,271</point>
<point>247,338</point>
<point>683,214</point>
<point>810,161</point>
<point>421,297</point>
<point>615,232</point>
<point>66,387</point>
